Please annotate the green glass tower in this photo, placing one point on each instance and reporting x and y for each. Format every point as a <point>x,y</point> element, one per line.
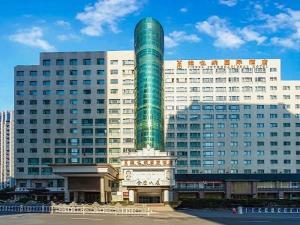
<point>149,109</point>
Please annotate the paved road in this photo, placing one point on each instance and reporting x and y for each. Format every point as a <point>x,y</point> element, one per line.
<point>227,218</point>
<point>187,217</point>
<point>47,219</point>
<point>256,221</point>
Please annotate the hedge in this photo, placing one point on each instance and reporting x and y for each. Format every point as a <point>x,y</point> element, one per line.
<point>230,203</point>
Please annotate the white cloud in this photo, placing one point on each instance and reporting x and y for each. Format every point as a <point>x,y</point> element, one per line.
<point>284,26</point>
<point>278,29</point>
<point>218,29</point>
<point>229,3</point>
<point>32,37</point>
<point>68,37</point>
<point>63,23</point>
<point>106,13</point>
<point>174,38</point>
<point>286,42</point>
<point>183,10</point>
<point>278,5</point>
<point>251,35</point>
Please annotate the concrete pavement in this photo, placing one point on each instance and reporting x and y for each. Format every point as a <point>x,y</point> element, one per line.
<point>183,217</point>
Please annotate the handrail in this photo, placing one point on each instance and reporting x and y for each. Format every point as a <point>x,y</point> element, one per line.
<point>74,208</point>
<point>98,209</point>
<point>267,210</point>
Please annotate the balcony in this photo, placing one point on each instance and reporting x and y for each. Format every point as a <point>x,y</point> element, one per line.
<point>200,187</point>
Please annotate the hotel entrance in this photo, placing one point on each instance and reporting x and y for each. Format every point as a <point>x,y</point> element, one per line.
<point>147,197</point>
<point>86,183</point>
<point>148,176</point>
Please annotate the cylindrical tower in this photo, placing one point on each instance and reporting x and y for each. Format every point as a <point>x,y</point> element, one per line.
<point>149,84</point>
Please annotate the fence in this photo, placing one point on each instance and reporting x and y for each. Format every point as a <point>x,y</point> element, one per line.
<point>25,209</point>
<point>76,209</point>
<point>98,209</point>
<point>247,210</point>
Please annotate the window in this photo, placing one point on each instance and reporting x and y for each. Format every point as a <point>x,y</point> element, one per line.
<point>73,62</point>
<point>33,171</point>
<point>260,161</point>
<point>100,61</point>
<point>33,73</point>
<point>195,162</point>
<point>60,92</point>
<point>114,81</point>
<point>113,62</point>
<point>33,102</point>
<point>20,83</point>
<point>60,160</point>
<point>87,82</point>
<point>46,161</point>
<point>59,62</point>
<point>33,92</point>
<point>59,72</point>
<point>87,61</point>
<point>60,82</point>
<point>100,82</point>
<point>208,163</point>
<point>73,92</point>
<point>274,161</point>
<point>87,72</point>
<point>46,62</point>
<point>33,161</point>
<point>87,92</point>
<point>20,73</point>
<point>73,72</point>
<point>100,72</point>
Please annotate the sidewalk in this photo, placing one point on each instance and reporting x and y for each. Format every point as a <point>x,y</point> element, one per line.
<point>223,213</point>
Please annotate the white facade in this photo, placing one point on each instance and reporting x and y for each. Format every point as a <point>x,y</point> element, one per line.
<point>232,116</point>
<point>120,104</point>
<point>221,116</point>
<point>6,149</point>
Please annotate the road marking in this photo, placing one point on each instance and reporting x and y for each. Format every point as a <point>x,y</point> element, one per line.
<point>82,218</point>
<point>13,216</point>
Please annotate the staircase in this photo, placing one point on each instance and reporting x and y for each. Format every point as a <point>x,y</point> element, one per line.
<point>156,207</point>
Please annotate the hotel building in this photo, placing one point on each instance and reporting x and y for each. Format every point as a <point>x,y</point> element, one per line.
<point>6,149</point>
<point>87,123</point>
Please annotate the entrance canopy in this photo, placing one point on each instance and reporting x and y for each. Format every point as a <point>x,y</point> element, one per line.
<point>87,182</point>
<point>148,174</point>
<point>90,170</point>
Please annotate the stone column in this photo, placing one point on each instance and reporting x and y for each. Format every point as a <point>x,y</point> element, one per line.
<point>281,195</point>
<point>55,183</point>
<point>171,196</point>
<point>76,196</point>
<point>102,190</point>
<point>81,196</point>
<point>228,189</point>
<point>166,195</point>
<point>254,189</point>
<point>131,195</point>
<point>28,183</point>
<point>201,194</point>
<point>175,196</point>
<point>66,189</point>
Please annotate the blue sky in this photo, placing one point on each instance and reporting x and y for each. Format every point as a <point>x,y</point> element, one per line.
<point>202,29</point>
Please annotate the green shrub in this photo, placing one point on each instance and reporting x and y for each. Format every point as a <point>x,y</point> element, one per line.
<point>25,200</point>
<point>230,203</point>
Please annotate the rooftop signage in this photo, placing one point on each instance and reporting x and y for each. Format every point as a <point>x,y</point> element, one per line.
<point>226,62</point>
